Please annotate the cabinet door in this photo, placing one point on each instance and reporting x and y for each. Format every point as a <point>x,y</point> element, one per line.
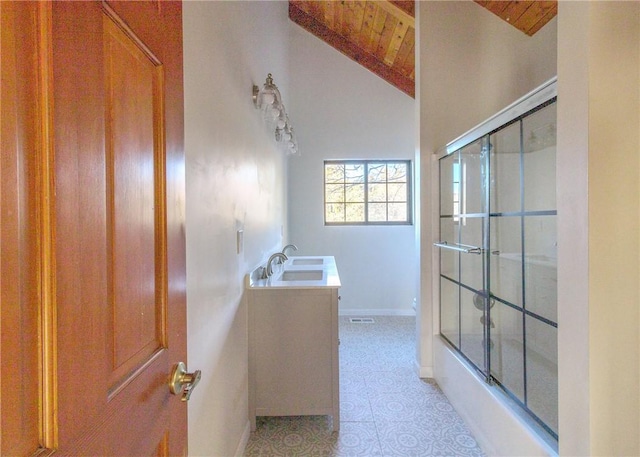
<point>294,345</point>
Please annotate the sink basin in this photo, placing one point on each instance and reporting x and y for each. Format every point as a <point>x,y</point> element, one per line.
<point>301,275</point>
<point>297,272</point>
<point>307,261</point>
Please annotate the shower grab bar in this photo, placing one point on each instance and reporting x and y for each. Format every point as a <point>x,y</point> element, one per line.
<point>459,247</point>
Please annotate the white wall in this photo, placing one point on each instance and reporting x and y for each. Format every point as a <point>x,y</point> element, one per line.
<point>340,110</point>
<point>598,227</point>
<point>235,180</point>
<point>472,65</point>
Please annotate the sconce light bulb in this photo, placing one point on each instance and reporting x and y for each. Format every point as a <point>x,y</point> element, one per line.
<point>268,99</point>
<point>273,113</point>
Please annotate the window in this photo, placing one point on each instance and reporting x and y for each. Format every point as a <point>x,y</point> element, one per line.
<point>367,192</point>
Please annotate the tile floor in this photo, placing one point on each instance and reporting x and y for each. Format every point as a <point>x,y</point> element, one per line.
<point>386,410</point>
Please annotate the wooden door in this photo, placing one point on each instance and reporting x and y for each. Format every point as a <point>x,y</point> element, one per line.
<point>92,228</point>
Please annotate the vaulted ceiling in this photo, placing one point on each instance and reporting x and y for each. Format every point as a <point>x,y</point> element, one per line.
<point>380,34</point>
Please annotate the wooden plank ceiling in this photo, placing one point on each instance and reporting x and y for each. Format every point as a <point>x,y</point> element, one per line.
<point>380,34</point>
<point>528,17</point>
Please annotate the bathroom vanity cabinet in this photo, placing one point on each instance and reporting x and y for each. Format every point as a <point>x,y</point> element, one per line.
<point>293,351</point>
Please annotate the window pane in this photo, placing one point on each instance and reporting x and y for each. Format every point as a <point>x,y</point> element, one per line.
<point>505,262</point>
<point>355,193</point>
<point>355,212</point>
<point>354,173</point>
<point>456,189</point>
<point>504,168</point>
<point>473,173</point>
<point>334,173</point>
<point>377,172</point>
<point>377,212</point>
<point>363,192</point>
<point>471,327</point>
<point>334,193</point>
<point>377,192</point>
<point>506,345</point>
<point>542,371</point>
<point>539,134</point>
<point>398,212</point>
<point>397,172</point>
<point>397,192</point>
<point>541,266</point>
<point>449,185</point>
<point>450,311</point>
<point>471,266</point>
<point>449,260</point>
<point>334,212</point>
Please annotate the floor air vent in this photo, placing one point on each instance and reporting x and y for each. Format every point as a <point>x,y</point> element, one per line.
<point>362,320</point>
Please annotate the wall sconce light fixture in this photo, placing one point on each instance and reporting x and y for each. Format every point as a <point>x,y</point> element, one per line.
<point>269,101</point>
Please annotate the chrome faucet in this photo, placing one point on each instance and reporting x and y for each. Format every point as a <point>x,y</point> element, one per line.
<point>268,271</point>
<point>292,246</point>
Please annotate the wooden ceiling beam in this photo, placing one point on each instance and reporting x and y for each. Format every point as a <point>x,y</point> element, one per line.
<point>398,12</point>
<point>398,38</point>
<point>351,50</point>
<point>408,6</point>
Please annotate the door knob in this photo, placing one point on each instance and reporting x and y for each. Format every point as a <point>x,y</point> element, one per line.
<point>182,382</point>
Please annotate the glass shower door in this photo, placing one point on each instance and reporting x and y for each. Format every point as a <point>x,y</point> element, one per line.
<point>450,258</point>
<point>498,274</point>
<point>505,270</point>
<point>540,254</point>
<point>472,225</point>
<point>463,225</point>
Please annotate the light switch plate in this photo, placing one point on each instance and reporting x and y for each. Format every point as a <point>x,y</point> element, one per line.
<point>239,241</point>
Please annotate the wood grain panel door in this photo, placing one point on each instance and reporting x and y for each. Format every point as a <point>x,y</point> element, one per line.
<point>92,235</point>
<point>20,251</point>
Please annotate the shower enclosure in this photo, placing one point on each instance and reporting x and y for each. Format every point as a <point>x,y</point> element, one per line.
<point>498,252</point>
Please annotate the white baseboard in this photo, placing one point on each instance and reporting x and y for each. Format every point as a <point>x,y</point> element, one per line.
<point>424,372</point>
<point>242,445</point>
<point>376,312</point>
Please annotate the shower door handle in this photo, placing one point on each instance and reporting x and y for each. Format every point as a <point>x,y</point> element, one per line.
<point>459,247</point>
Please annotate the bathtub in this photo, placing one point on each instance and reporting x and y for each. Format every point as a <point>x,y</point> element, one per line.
<point>499,426</point>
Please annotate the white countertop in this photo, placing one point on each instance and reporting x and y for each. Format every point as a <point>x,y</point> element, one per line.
<point>304,265</point>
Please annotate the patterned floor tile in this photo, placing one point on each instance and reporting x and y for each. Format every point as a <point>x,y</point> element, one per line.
<point>414,439</point>
<point>455,439</point>
<point>394,381</point>
<point>254,447</point>
<point>355,370</point>
<point>352,382</point>
<point>386,410</point>
<point>296,436</point>
<point>355,407</point>
<point>402,439</point>
<point>399,406</point>
<point>356,439</point>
